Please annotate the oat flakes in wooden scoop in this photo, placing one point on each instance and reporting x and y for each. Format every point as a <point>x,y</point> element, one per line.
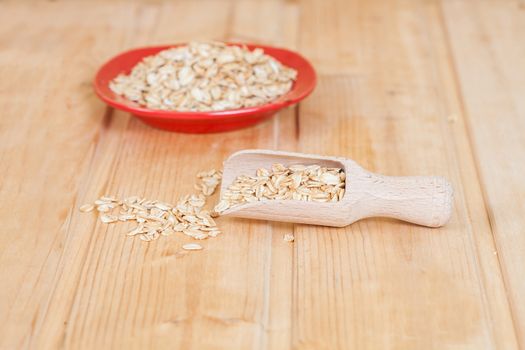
<point>328,191</point>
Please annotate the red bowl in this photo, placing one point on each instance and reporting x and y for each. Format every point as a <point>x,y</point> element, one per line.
<point>204,122</point>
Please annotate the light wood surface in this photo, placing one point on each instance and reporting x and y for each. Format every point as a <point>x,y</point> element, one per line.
<point>405,88</point>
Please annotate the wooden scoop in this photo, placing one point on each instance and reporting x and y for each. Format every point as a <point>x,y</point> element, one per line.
<point>422,200</point>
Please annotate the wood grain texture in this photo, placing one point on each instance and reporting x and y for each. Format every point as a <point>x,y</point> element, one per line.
<point>378,283</point>
<point>405,88</point>
<point>488,53</point>
<point>99,289</point>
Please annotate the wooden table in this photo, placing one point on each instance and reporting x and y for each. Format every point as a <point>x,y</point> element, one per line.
<point>405,87</point>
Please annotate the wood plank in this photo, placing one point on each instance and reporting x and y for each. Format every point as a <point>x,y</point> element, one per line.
<point>86,285</point>
<point>50,123</point>
<point>488,52</point>
<point>380,283</point>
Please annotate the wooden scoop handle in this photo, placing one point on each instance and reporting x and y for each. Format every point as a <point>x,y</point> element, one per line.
<point>421,200</point>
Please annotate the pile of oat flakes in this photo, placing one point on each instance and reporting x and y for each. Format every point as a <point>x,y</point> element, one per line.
<point>205,76</point>
<point>299,182</point>
<point>154,218</point>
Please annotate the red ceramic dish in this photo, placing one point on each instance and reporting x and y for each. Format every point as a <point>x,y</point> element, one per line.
<point>203,122</point>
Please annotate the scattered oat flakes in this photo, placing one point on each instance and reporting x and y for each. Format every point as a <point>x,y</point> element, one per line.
<point>103,208</point>
<point>204,76</point>
<point>288,237</point>
<point>154,218</point>
<point>208,181</point>
<point>147,237</point>
<point>86,208</point>
<point>192,246</point>
<point>108,219</point>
